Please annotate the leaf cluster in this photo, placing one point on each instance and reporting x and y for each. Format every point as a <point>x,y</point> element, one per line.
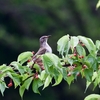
<point>79,57</point>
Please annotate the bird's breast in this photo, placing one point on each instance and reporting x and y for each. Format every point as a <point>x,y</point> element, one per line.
<point>48,49</point>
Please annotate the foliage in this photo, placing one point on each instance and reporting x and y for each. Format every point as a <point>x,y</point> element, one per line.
<point>93,97</point>
<point>79,57</point>
<point>98,4</point>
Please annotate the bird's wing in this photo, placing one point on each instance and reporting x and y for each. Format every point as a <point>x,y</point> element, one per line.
<point>40,52</point>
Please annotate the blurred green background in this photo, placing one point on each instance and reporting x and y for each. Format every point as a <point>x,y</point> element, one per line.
<point>23,22</point>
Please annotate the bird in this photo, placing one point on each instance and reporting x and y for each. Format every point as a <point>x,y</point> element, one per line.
<point>44,48</point>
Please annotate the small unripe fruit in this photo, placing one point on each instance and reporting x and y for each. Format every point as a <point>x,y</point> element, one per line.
<point>70,57</point>
<point>10,84</point>
<point>28,60</point>
<point>75,65</point>
<point>75,54</point>
<point>70,68</point>
<point>69,74</point>
<point>84,66</point>
<point>36,76</point>
<point>82,56</point>
<point>33,52</point>
<point>83,44</point>
<point>78,74</point>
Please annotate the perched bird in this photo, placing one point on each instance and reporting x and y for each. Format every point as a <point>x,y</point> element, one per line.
<point>44,48</point>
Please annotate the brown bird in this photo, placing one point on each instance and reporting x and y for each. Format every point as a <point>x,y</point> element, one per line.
<point>44,48</point>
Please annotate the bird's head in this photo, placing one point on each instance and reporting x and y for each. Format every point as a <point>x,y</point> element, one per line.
<point>44,39</point>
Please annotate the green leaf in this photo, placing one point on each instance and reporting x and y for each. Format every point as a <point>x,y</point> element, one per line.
<point>2,75</point>
<point>92,97</point>
<point>9,69</point>
<point>51,60</point>
<point>77,70</point>
<point>95,65</point>
<point>69,79</point>
<point>21,90</point>
<point>16,78</point>
<point>97,80</point>
<point>5,68</point>
<point>58,79</point>
<point>93,78</point>
<point>74,41</point>
<point>47,62</point>
<point>37,67</point>
<point>98,77</point>
<point>98,4</point>
<point>23,57</point>
<point>25,76</point>
<point>2,87</point>
<point>63,45</point>
<point>98,59</point>
<point>25,85</point>
<point>93,61</point>
<point>27,69</point>
<point>47,81</point>
<point>95,83</point>
<point>43,75</point>
<point>36,84</point>
<point>80,50</point>
<point>88,43</point>
<point>64,72</point>
<point>18,66</point>
<point>98,44</point>
<point>88,74</point>
<point>70,60</point>
<point>28,82</point>
<point>90,59</point>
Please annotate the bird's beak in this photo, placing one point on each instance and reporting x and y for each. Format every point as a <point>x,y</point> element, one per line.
<point>48,36</point>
